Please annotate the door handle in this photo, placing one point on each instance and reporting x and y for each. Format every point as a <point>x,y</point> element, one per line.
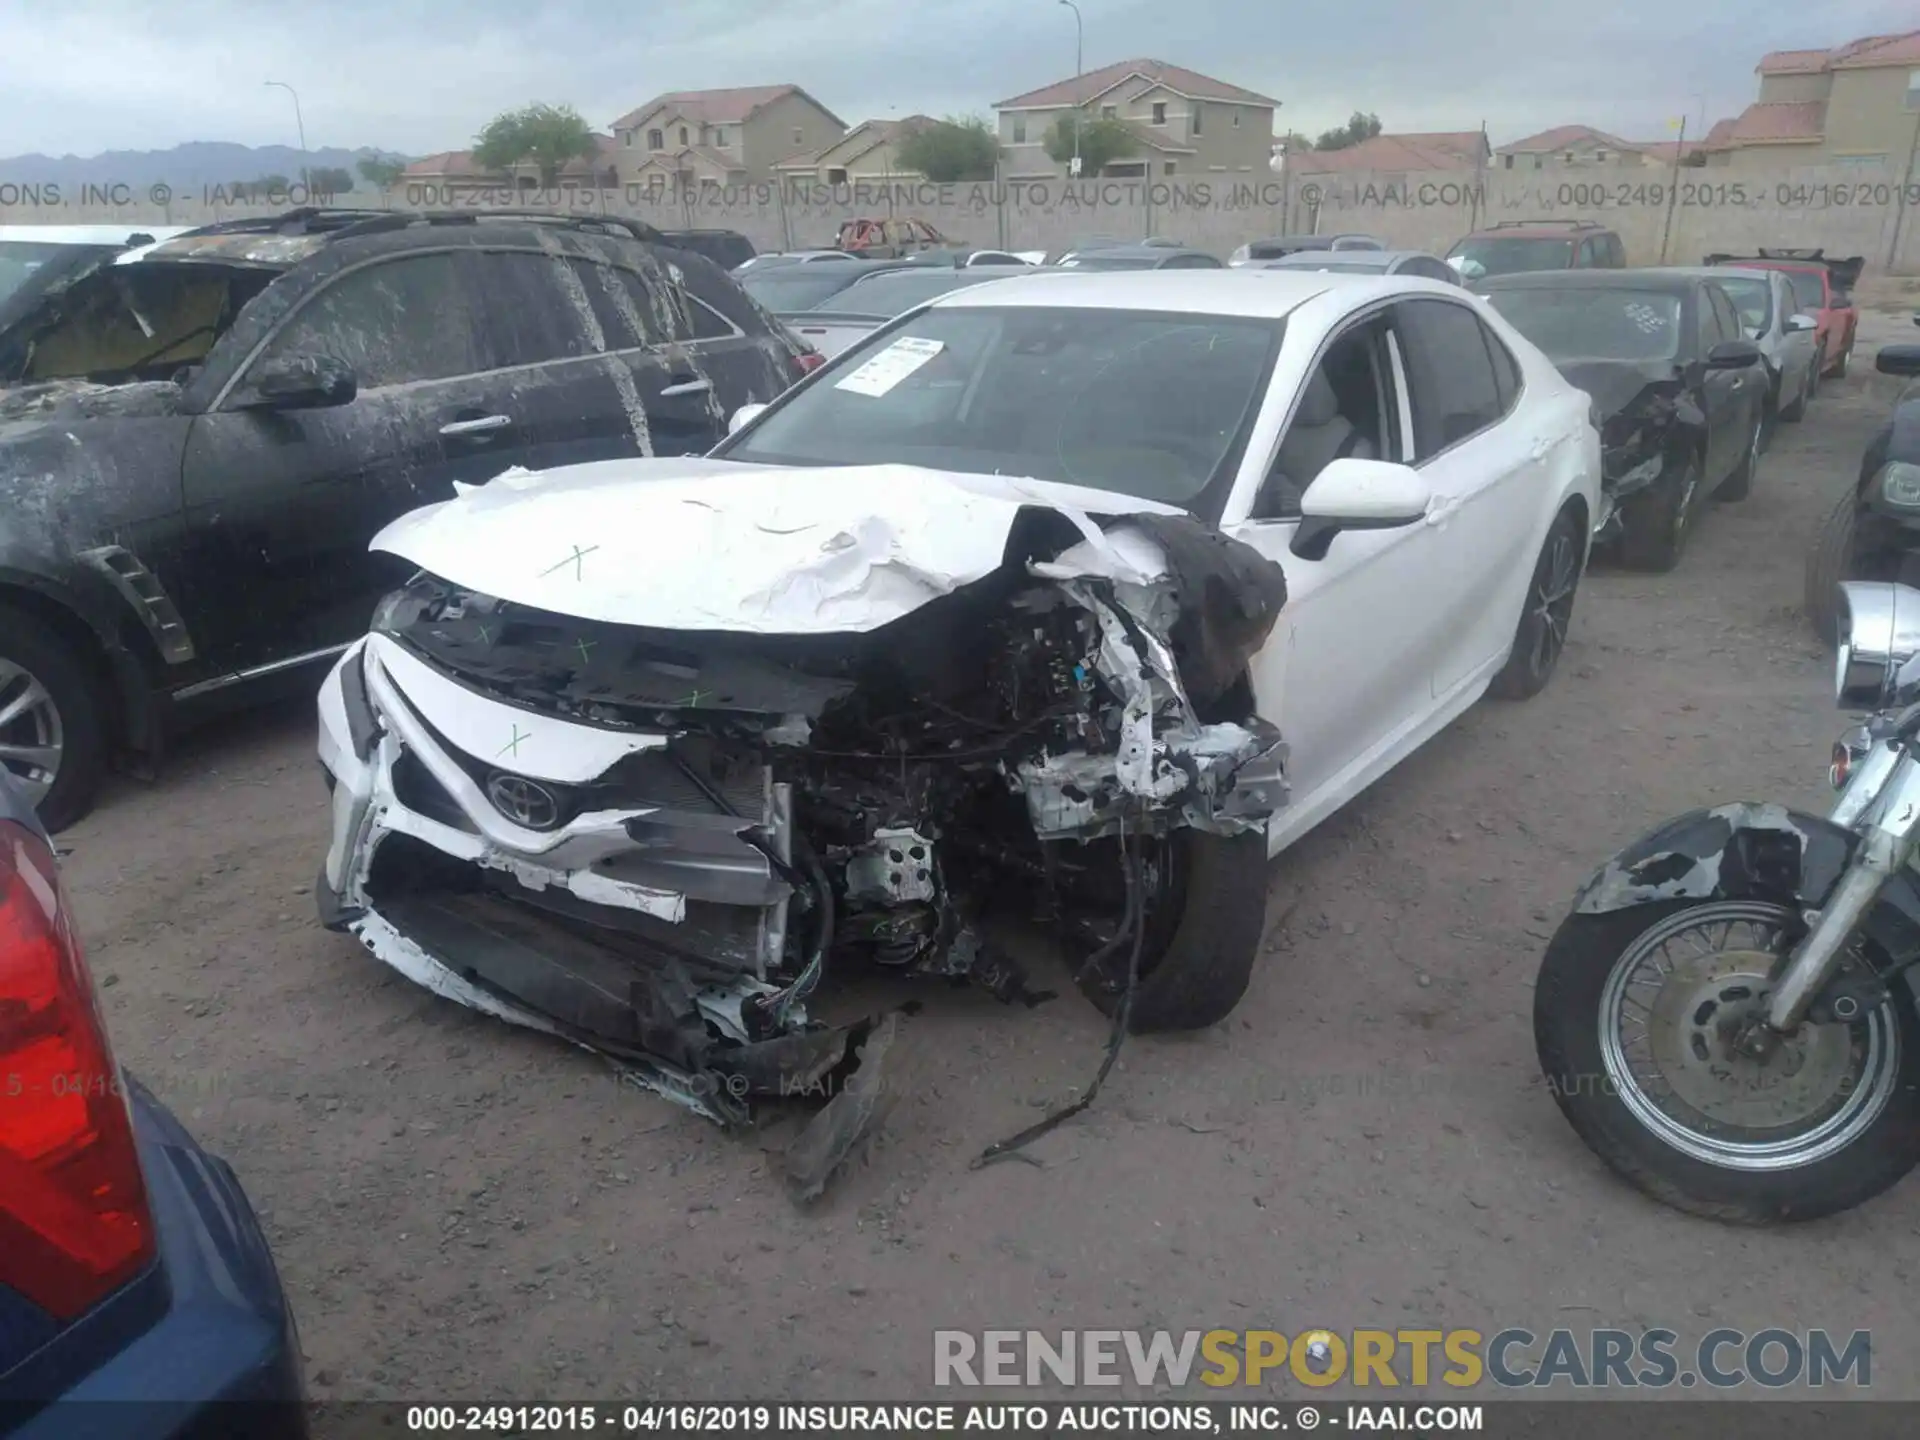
<point>686,387</point>
<point>478,425</point>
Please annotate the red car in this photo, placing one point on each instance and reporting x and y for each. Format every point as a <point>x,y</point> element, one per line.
<point>1821,285</point>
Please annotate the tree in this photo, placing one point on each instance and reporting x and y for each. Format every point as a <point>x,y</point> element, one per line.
<point>546,135</point>
<point>1361,126</point>
<point>1101,142</point>
<point>1294,143</point>
<point>265,188</point>
<point>381,174</point>
<point>329,180</point>
<point>957,148</point>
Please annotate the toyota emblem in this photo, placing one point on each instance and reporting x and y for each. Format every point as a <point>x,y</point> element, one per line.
<point>525,802</point>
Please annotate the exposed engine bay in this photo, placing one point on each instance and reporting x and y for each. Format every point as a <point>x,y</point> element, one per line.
<point>738,813</point>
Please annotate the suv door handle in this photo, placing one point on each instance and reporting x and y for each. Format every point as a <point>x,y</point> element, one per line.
<point>476,425</point>
<point>693,386</point>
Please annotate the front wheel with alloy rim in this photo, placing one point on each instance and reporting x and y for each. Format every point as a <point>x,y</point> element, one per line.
<point>1541,635</point>
<point>52,743</point>
<point>1637,1016</point>
<point>1657,520</point>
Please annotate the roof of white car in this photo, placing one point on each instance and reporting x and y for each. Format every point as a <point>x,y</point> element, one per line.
<point>87,234</point>
<point>1271,293</point>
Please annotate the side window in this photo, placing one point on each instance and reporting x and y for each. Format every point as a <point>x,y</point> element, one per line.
<point>396,321</point>
<point>1616,253</point>
<point>1450,374</point>
<point>1506,370</point>
<point>1708,321</point>
<point>529,316</point>
<point>1349,409</point>
<point>706,322</point>
<point>1729,318</point>
<point>1589,257</point>
<point>630,313</point>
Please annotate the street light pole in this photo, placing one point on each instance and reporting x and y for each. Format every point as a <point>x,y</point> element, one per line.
<point>301,126</point>
<point>1079,72</point>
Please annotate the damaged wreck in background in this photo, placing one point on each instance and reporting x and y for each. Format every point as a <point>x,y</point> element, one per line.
<point>642,794</point>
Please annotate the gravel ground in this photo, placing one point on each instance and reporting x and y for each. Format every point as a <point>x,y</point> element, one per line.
<point>462,1209</point>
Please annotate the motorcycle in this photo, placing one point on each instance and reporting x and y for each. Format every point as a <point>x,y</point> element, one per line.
<point>1727,1015</point>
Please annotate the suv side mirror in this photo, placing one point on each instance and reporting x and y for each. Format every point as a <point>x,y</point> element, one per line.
<point>1358,495</point>
<point>1898,360</point>
<point>301,382</point>
<point>1800,324</point>
<point>1733,355</point>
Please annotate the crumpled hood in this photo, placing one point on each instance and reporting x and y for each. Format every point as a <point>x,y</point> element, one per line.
<point>1614,384</point>
<point>698,544</point>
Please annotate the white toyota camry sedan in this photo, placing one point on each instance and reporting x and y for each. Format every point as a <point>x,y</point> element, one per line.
<point>1074,596</point>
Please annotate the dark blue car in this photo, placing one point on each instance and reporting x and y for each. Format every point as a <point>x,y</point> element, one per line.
<point>138,1298</point>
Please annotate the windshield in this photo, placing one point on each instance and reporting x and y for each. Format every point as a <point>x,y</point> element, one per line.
<point>1099,260</point>
<point>1753,298</point>
<point>22,261</point>
<point>784,289</point>
<point>897,292</point>
<point>1594,324</point>
<point>1510,254</point>
<point>1144,403</point>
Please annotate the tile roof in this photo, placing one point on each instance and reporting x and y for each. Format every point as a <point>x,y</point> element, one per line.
<point>1720,136</point>
<point>1440,150</point>
<point>1560,137</point>
<point>1668,151</point>
<point>1083,88</point>
<point>1899,49</point>
<point>873,132</point>
<point>717,107</point>
<point>1778,121</point>
<point>446,162</point>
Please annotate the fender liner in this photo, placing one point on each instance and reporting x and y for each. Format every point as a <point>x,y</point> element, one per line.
<point>1751,850</point>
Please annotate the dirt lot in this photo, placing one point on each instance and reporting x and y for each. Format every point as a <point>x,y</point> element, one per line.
<point>461,1209</point>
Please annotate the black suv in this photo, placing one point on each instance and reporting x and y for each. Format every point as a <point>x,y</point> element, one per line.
<point>197,444</point>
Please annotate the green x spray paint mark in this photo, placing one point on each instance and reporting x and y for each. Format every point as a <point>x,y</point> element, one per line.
<point>574,560</point>
<point>512,747</point>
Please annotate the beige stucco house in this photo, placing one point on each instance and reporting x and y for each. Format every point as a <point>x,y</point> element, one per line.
<point>1582,146</point>
<point>1185,125</point>
<point>868,154</point>
<point>1855,105</point>
<point>456,170</point>
<point>726,137</point>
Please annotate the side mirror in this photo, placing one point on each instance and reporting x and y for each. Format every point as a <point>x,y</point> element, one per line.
<point>1801,324</point>
<point>301,382</point>
<point>1898,360</point>
<point>1733,355</point>
<point>1358,495</point>
<point>744,417</point>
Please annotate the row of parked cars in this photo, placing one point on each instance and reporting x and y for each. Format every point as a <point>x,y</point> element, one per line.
<point>201,434</point>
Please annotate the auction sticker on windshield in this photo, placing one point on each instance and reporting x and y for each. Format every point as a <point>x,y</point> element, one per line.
<point>891,366</point>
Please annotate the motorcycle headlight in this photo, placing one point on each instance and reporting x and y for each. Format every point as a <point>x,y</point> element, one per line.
<point>1879,636</point>
<point>1899,484</point>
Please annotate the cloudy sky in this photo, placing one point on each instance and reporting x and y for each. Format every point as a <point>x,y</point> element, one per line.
<point>423,75</point>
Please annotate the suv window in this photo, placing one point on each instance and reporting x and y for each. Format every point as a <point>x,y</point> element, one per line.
<point>393,321</point>
<point>1616,253</point>
<point>630,312</point>
<point>1451,378</point>
<point>1589,256</point>
<point>523,295</point>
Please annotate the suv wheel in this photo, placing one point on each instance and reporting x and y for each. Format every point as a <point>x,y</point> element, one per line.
<point>52,739</point>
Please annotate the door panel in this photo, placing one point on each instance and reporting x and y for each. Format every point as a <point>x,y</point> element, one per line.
<point>280,505</point>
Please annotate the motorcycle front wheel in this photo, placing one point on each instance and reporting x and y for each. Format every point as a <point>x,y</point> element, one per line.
<point>1634,1017</point>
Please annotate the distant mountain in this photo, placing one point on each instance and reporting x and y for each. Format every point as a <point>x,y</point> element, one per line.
<point>185,167</point>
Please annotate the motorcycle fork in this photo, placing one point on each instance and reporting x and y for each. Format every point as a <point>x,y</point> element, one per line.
<point>1886,845</point>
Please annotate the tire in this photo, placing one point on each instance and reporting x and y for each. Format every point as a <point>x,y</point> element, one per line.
<point>1813,379</point>
<point>1840,366</point>
<point>1770,416</point>
<point>1195,969</point>
<point>1829,561</point>
<point>34,654</point>
<point>1739,485</point>
<point>1658,520</point>
<point>1568,1019</point>
<point>1793,414</point>
<point>1541,636</point>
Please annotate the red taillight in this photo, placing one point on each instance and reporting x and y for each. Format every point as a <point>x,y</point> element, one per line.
<point>810,361</point>
<point>73,1206</point>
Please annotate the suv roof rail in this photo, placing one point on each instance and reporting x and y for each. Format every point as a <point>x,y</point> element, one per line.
<point>345,221</point>
<point>1528,224</point>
